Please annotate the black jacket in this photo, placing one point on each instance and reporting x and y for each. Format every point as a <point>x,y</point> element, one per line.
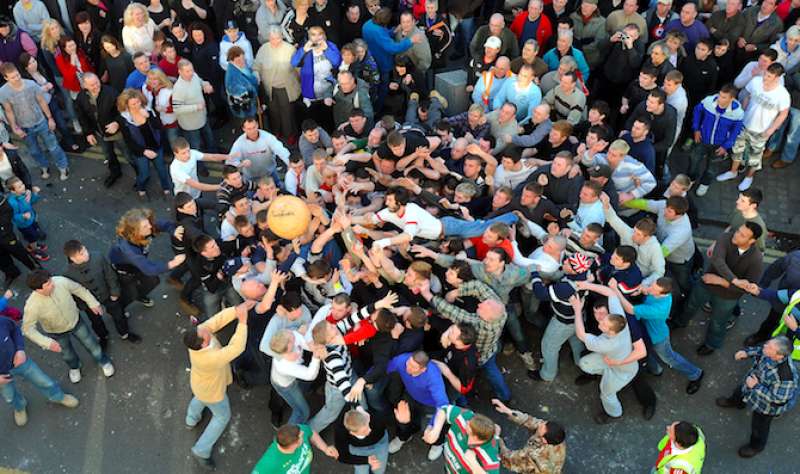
<point>6,221</point>
<point>207,272</point>
<point>563,191</point>
<point>205,58</point>
<point>699,77</point>
<point>378,350</point>
<point>106,109</point>
<point>19,169</point>
<point>622,65</point>
<point>329,19</point>
<point>73,7</point>
<point>97,276</point>
<point>662,127</point>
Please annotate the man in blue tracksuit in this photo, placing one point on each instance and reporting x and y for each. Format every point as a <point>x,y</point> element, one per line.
<point>383,47</point>
<point>717,121</point>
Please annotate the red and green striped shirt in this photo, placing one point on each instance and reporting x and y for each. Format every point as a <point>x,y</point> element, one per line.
<point>457,445</point>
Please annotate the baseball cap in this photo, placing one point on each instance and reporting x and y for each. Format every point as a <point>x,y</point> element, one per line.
<point>600,171</point>
<point>580,262</point>
<point>231,25</point>
<point>590,2</point>
<point>665,2</point>
<point>493,42</point>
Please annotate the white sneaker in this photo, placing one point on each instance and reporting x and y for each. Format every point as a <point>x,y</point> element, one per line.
<point>435,452</point>
<point>74,375</point>
<point>726,176</point>
<point>108,369</point>
<point>45,173</point>
<point>64,174</point>
<point>746,183</point>
<point>395,445</point>
<point>702,190</point>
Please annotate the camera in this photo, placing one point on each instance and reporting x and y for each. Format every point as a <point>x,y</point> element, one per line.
<point>624,36</point>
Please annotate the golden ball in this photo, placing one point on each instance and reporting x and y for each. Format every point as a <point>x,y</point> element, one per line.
<point>288,217</point>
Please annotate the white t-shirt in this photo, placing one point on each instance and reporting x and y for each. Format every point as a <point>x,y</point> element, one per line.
<point>512,179</point>
<point>764,105</point>
<point>182,171</point>
<point>415,221</point>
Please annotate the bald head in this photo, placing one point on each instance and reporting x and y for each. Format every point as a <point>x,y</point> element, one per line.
<point>252,290</point>
<point>503,62</point>
<point>496,24</point>
<point>491,310</point>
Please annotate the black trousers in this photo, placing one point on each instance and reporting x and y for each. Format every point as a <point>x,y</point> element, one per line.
<point>114,308</point>
<point>759,426</point>
<point>395,393</point>
<point>770,323</point>
<point>14,248</point>
<point>135,287</point>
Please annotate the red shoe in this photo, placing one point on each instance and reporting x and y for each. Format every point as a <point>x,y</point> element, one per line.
<point>40,256</point>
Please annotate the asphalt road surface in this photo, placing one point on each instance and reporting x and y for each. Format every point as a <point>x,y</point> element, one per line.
<point>134,421</point>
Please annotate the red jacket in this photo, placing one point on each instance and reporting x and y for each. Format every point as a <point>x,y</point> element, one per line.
<point>70,72</point>
<point>543,33</point>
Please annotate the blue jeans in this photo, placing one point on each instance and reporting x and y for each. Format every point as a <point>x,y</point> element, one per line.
<point>467,31</point>
<point>143,171</point>
<point>380,450</point>
<point>454,227</point>
<point>374,396</point>
<point>334,402</point>
<point>220,416</point>
<point>36,376</point>
<point>673,359</point>
<point>212,301</point>
<point>721,310</point>
<point>42,132</point>
<point>496,379</point>
<point>61,123</point>
<point>514,328</point>
<point>197,137</point>
<point>790,148</point>
<point>556,334</point>
<point>294,396</point>
<point>83,333</point>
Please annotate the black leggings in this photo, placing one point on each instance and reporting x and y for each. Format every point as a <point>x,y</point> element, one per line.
<point>135,287</point>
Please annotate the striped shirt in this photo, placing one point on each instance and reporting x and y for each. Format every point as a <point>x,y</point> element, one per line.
<point>457,445</point>
<point>338,370</point>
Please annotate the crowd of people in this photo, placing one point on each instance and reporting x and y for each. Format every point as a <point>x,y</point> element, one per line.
<point>557,206</point>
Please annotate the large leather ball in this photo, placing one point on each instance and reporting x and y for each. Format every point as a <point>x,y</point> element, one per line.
<point>288,217</point>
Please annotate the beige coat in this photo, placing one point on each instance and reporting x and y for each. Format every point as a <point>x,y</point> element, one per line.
<point>274,67</point>
<point>56,313</point>
<point>211,366</point>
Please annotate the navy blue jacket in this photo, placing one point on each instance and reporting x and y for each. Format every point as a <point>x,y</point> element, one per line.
<point>11,341</point>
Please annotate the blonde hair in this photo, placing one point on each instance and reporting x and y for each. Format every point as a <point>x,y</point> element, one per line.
<point>475,108</point>
<point>163,80</point>
<point>127,17</point>
<point>129,223</point>
<point>423,269</point>
<point>279,343</point>
<point>354,420</point>
<point>50,43</point>
<point>317,29</point>
<point>683,180</point>
<point>128,94</point>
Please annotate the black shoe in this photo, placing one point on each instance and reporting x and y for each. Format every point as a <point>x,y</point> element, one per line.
<point>205,463</point>
<point>147,302</point>
<point>748,451</point>
<point>704,350</point>
<point>694,385</point>
<point>725,402</point>
<point>604,418</point>
<point>109,181</point>
<point>276,420</point>
<point>648,412</point>
<point>133,338</point>
<point>753,340</point>
<point>585,379</point>
<point>535,375</point>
